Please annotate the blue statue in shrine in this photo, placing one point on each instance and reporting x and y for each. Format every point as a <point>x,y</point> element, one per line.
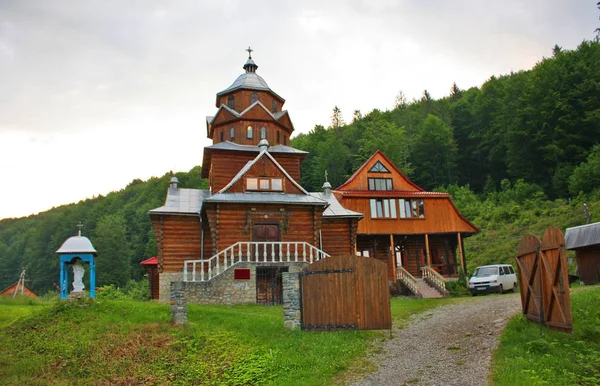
<point>74,252</point>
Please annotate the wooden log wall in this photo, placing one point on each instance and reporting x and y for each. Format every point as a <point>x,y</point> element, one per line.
<point>337,236</point>
<point>265,168</point>
<point>226,165</point>
<point>180,238</point>
<point>588,262</point>
<point>241,137</point>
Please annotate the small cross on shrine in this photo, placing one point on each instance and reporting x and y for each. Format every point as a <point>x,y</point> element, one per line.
<point>80,226</point>
<point>326,176</point>
<point>249,52</point>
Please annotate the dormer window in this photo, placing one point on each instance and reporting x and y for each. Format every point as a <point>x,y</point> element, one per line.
<point>274,108</point>
<point>264,184</point>
<point>380,184</point>
<point>253,97</point>
<point>230,102</point>
<point>249,132</point>
<point>378,168</point>
<point>232,133</point>
<point>263,133</point>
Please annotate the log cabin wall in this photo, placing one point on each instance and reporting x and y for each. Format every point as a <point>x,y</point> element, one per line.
<point>588,264</point>
<point>242,99</point>
<point>233,222</point>
<point>337,236</point>
<point>180,240</point>
<point>226,165</point>
<point>240,132</point>
<point>440,217</point>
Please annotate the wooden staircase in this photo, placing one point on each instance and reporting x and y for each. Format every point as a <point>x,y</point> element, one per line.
<point>427,291</point>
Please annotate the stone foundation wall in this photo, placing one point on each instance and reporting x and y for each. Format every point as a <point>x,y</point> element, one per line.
<point>164,284</point>
<point>292,314</point>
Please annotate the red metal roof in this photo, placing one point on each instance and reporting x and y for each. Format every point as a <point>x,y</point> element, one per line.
<point>150,261</point>
<point>393,193</point>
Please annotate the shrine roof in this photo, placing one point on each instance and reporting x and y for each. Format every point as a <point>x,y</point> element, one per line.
<point>182,201</point>
<point>582,236</point>
<point>77,244</point>
<point>335,209</point>
<point>267,198</point>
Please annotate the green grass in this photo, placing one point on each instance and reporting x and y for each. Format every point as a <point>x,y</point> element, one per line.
<point>12,309</point>
<point>530,355</point>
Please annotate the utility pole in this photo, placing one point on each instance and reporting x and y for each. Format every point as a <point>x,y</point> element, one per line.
<point>20,282</point>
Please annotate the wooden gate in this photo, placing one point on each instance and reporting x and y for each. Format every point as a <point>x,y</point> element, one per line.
<point>345,292</point>
<point>544,280</point>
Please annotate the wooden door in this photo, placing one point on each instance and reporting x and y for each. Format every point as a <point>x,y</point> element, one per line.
<point>265,232</point>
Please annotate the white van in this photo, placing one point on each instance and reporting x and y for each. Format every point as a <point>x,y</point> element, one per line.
<point>493,278</point>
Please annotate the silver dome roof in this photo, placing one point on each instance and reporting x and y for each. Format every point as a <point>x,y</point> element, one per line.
<point>77,244</point>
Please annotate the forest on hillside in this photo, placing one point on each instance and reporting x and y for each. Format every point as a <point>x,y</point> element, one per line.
<point>518,154</point>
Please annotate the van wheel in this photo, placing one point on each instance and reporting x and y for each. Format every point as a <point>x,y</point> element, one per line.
<point>500,289</point>
<point>514,288</point>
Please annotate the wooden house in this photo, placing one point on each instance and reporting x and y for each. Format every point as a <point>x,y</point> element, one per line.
<point>231,242</point>
<point>585,241</point>
<point>414,231</point>
<point>18,289</point>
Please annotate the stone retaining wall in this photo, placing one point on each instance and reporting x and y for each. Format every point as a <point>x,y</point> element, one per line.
<point>292,313</point>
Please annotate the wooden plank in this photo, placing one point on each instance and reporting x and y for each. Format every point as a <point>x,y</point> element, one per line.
<point>427,251</point>
<point>529,279</point>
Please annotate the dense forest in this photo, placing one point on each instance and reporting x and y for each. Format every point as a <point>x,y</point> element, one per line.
<point>518,154</point>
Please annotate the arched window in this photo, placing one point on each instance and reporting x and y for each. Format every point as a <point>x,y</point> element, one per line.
<point>222,135</point>
<point>230,102</point>
<point>285,140</point>
<point>253,97</point>
<point>278,136</point>
<point>274,108</point>
<point>263,132</point>
<point>232,133</point>
<point>249,132</point>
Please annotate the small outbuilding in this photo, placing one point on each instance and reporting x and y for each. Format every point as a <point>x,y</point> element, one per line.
<point>585,241</point>
<point>151,266</point>
<point>19,289</point>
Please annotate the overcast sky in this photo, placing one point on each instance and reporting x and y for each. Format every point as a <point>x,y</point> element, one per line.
<point>96,93</point>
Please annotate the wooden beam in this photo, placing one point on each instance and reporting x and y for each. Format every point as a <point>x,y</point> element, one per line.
<point>462,254</point>
<point>427,250</point>
<point>393,257</point>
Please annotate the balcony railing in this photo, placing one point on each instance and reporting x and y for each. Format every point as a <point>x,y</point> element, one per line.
<point>254,252</point>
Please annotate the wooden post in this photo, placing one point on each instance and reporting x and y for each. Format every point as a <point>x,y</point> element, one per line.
<point>393,257</point>
<point>427,250</point>
<point>462,254</point>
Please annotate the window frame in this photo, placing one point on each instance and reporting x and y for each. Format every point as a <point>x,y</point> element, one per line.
<point>378,163</point>
<point>249,132</point>
<point>383,208</point>
<point>231,101</point>
<point>232,133</point>
<point>263,133</point>
<point>253,98</point>
<point>373,182</point>
<point>260,184</point>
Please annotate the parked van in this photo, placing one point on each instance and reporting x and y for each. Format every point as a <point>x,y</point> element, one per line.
<point>493,278</point>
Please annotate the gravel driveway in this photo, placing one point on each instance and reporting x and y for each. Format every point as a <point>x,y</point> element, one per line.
<point>449,345</point>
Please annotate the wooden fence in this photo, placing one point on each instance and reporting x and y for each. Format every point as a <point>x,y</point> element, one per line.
<point>544,280</point>
<point>345,292</point>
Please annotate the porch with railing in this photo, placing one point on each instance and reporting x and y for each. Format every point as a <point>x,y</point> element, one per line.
<point>252,252</point>
<point>430,284</point>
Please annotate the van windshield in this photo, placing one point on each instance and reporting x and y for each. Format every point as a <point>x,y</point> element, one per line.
<point>485,271</point>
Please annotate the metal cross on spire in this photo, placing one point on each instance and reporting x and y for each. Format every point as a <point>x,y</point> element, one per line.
<point>249,52</point>
<point>80,225</point>
<point>326,176</point>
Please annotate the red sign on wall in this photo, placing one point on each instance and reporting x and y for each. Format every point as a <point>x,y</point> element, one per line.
<point>241,274</point>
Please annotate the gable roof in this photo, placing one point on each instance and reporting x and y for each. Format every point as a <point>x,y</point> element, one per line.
<point>390,166</point>
<point>10,290</point>
<point>582,236</point>
<point>182,202</point>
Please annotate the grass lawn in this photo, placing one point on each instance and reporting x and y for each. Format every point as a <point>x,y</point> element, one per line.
<point>125,342</point>
<point>530,355</point>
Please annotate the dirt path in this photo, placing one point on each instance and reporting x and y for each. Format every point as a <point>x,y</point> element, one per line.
<point>450,345</point>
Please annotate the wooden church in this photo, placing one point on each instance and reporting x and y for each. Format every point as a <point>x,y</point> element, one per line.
<point>231,243</point>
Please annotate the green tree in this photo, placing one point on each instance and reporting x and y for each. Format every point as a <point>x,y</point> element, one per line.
<point>586,176</point>
<point>337,120</point>
<point>113,265</point>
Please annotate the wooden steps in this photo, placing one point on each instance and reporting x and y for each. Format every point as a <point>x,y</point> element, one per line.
<point>427,291</point>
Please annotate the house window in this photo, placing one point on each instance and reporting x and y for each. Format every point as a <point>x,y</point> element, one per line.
<point>285,140</point>
<point>380,184</point>
<point>249,132</point>
<point>222,135</point>
<point>263,132</point>
<point>278,136</point>
<point>383,208</point>
<point>378,168</point>
<point>230,101</point>
<point>274,109</point>
<point>267,184</point>
<point>411,208</point>
<point>253,97</point>
<point>231,133</point>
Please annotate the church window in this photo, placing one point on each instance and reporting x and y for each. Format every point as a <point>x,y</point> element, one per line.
<point>274,109</point>
<point>285,140</point>
<point>251,183</point>
<point>253,97</point>
<point>378,168</point>
<point>232,133</point>
<point>263,132</point>
<point>276,184</point>
<point>263,184</point>
<point>230,102</point>
<point>380,184</point>
<point>222,135</point>
<point>278,136</point>
<point>267,184</point>
<point>249,132</point>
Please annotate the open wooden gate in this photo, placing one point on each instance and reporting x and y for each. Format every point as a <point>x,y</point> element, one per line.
<point>544,280</point>
<point>345,292</point>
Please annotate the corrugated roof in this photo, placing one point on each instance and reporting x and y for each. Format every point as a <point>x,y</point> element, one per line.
<point>386,193</point>
<point>335,209</point>
<point>182,201</point>
<point>266,198</point>
<point>151,261</point>
<point>249,81</point>
<point>77,244</point>
<point>228,145</point>
<point>582,236</point>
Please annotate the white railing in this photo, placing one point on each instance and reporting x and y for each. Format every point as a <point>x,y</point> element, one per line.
<point>254,252</point>
<point>435,279</point>
<point>408,280</point>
